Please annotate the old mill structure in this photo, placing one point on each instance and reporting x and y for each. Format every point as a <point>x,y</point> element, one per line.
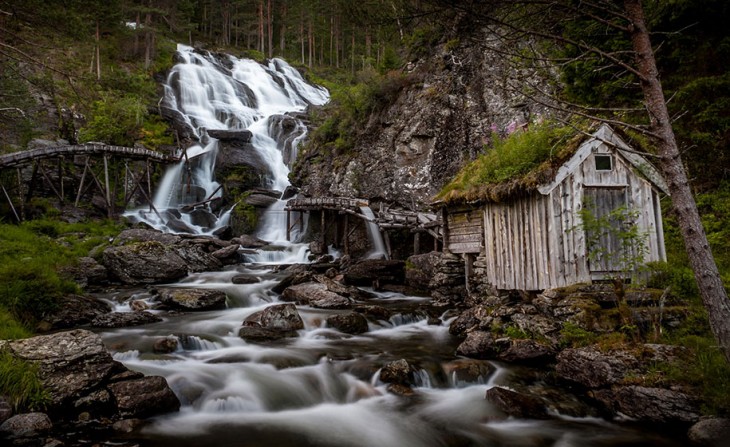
<point>537,240</point>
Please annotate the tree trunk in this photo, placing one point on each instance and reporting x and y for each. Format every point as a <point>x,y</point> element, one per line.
<point>261,43</point>
<point>282,29</point>
<point>270,28</point>
<point>98,52</point>
<point>710,285</point>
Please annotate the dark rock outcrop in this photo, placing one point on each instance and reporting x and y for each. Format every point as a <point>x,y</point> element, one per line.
<point>398,372</point>
<point>73,311</point>
<point>189,299</point>
<point>481,345</point>
<point>655,405</point>
<point>144,263</point>
<point>592,368</point>
<point>710,432</point>
<point>80,375</point>
<point>518,405</point>
<point>274,322</point>
<point>316,295</point>
<point>26,426</point>
<point>420,269</point>
<point>124,319</point>
<point>349,323</point>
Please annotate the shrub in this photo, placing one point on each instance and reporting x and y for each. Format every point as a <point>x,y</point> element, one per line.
<point>115,120</point>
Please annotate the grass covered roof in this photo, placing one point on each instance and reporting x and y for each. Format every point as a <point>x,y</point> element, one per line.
<point>514,165</point>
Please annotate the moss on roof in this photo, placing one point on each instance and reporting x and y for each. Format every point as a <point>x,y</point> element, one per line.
<point>515,165</point>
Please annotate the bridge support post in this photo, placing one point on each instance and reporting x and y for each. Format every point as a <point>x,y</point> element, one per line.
<point>416,243</point>
<point>346,235</point>
<point>106,184</point>
<point>288,225</point>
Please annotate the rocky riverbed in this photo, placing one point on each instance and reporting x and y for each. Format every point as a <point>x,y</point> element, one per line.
<point>170,354</point>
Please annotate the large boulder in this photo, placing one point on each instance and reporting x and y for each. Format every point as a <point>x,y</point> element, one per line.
<point>527,352</point>
<point>26,426</point>
<point>592,368</point>
<point>398,372</point>
<point>271,323</point>
<point>196,256</point>
<point>349,323</point>
<point>481,345</point>
<point>518,405</point>
<point>656,405</point>
<point>710,432</point>
<point>80,375</point>
<point>420,269</point>
<point>144,263</point>
<point>316,295</point>
<point>73,311</point>
<point>192,299</point>
<point>144,397</point>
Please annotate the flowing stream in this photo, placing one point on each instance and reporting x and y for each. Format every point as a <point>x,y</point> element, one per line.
<point>321,388</point>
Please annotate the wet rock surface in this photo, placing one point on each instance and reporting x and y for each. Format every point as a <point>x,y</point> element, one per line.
<point>189,299</point>
<point>124,319</point>
<point>80,375</point>
<point>516,404</point>
<point>349,323</point>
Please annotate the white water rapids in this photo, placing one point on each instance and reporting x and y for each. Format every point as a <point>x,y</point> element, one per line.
<point>321,388</point>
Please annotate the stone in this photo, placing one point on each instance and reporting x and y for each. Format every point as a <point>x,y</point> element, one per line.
<point>480,345</point>
<point>349,323</point>
<point>256,334</point>
<point>420,269</point>
<point>189,299</point>
<point>127,425</point>
<point>477,317</point>
<point>196,257</point>
<point>245,279</point>
<point>124,319</point>
<point>468,371</point>
<point>5,409</point>
<point>203,218</point>
<point>26,425</point>
<point>247,241</point>
<point>375,271</point>
<point>528,352</point>
<point>655,405</point>
<point>165,345</point>
<point>143,235</point>
<point>397,372</point>
<point>144,397</point>
<point>70,364</point>
<point>592,368</point>
<point>315,295</point>
<point>228,255</point>
<point>518,405</point>
<point>710,432</point>
<point>144,263</point>
<point>138,305</point>
<point>279,317</point>
<point>73,311</point>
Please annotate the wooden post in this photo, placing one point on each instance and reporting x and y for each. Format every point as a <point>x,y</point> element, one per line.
<point>10,202</point>
<point>323,229</point>
<point>149,185</point>
<point>81,183</point>
<point>60,177</point>
<point>301,222</point>
<point>20,194</point>
<point>346,235</point>
<point>386,239</point>
<point>288,225</point>
<point>106,184</point>
<point>416,243</point>
<point>445,230</point>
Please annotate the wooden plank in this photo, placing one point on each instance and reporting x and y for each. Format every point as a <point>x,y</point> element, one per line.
<point>465,247</point>
<point>473,237</point>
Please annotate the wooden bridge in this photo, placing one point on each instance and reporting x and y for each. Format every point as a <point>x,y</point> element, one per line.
<point>335,225</point>
<point>75,173</point>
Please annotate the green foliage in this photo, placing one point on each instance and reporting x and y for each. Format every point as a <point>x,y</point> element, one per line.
<point>510,157</point>
<point>573,336</point>
<point>10,328</point>
<point>244,216</point>
<point>514,332</point>
<point>155,133</point>
<point>20,385</point>
<point>31,255</point>
<point>115,120</point>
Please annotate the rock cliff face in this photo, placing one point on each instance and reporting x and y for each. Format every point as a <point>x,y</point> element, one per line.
<point>454,101</point>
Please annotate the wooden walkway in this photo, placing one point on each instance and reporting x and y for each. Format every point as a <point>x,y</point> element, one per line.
<point>15,159</point>
<point>78,173</point>
<point>336,210</point>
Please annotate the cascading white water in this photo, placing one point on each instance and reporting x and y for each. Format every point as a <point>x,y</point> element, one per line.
<point>226,93</point>
<point>376,239</point>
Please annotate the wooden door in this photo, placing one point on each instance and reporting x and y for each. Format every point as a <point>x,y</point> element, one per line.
<point>604,221</point>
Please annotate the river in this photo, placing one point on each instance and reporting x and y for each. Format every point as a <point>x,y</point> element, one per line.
<point>321,388</point>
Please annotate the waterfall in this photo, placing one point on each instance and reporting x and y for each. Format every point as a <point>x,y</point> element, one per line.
<point>376,239</point>
<point>224,93</point>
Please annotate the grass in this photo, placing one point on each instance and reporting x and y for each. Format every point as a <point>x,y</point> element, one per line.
<point>20,385</point>
<point>31,255</point>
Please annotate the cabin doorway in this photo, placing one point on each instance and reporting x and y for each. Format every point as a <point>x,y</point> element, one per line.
<point>605,221</point>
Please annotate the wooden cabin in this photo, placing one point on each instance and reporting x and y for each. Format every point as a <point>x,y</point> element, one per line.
<point>536,240</point>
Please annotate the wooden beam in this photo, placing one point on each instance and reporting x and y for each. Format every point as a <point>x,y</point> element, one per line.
<point>81,183</point>
<point>106,184</point>
<point>10,202</point>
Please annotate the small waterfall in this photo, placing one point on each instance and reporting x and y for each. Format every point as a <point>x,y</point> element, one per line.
<point>226,93</point>
<point>376,239</point>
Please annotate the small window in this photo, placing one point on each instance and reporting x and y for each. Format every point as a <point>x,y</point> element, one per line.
<point>603,162</point>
